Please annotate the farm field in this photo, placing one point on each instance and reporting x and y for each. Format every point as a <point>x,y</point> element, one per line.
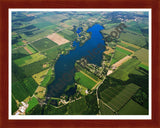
<point>24,88</point>
<point>84,80</point>
<point>118,55</point>
<point>135,39</point>
<point>133,108</point>
<point>47,78</point>
<point>128,46</point>
<point>29,59</point>
<point>144,67</point>
<point>43,44</point>
<point>57,39</point>
<point>40,92</point>
<point>142,55</point>
<point>125,69</point>
<point>125,49</point>
<point>105,110</point>
<point>116,98</point>
<point>40,76</point>
<point>32,103</point>
<point>77,107</point>
<point>30,49</point>
<point>120,62</point>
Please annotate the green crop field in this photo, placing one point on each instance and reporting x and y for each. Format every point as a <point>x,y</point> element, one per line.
<point>31,48</point>
<point>29,59</point>
<point>19,52</point>
<point>87,72</point>
<point>35,67</point>
<point>143,55</point>
<point>127,46</point>
<point>43,44</point>
<point>116,98</point>
<point>133,108</point>
<point>123,51</point>
<point>68,34</point>
<point>125,69</point>
<point>118,55</point>
<point>104,109</point>
<point>32,103</point>
<point>144,67</point>
<point>136,39</point>
<point>52,110</point>
<point>77,107</point>
<point>24,88</point>
<point>52,53</point>
<point>84,80</point>
<point>43,24</point>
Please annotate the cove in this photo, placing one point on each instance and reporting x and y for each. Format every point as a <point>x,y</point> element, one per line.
<point>64,67</point>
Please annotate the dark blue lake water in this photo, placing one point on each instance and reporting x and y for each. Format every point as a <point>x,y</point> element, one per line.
<point>92,50</point>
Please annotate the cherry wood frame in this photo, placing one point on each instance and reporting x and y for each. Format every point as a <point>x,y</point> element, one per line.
<point>6,4</point>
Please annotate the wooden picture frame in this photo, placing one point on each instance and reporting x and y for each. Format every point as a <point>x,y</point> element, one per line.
<point>4,64</point>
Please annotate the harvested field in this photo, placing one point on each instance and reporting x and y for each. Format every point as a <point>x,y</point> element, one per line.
<point>119,63</point>
<point>27,50</point>
<point>57,39</point>
<point>108,50</point>
<point>125,48</point>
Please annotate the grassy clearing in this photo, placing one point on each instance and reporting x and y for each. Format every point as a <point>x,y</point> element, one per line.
<point>40,76</point>
<point>84,80</point>
<point>117,98</point>
<point>142,55</point>
<point>29,59</point>
<point>32,103</point>
<point>133,108</point>
<point>43,44</point>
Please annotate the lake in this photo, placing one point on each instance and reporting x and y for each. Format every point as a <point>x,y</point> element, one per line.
<point>64,67</point>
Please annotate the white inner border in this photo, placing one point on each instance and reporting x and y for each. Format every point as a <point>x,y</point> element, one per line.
<point>75,117</point>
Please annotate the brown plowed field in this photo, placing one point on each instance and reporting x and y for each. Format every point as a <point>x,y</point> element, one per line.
<point>57,39</point>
